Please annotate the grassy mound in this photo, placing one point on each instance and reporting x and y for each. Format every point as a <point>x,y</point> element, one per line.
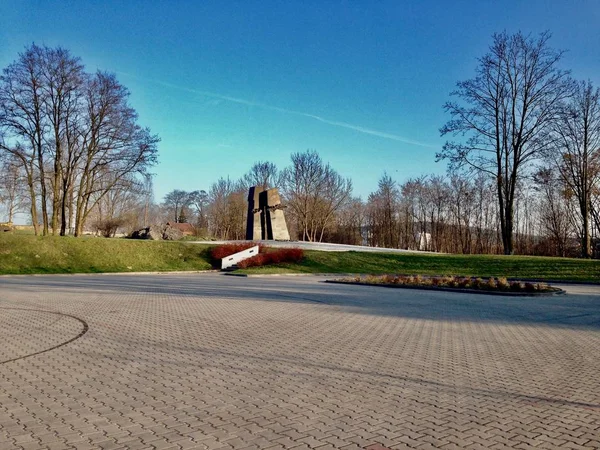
<point>26,254</point>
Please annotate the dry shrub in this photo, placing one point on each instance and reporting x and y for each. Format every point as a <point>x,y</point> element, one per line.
<point>390,279</point>
<point>478,283</point>
<point>453,282</point>
<point>503,283</point>
<point>372,279</point>
<point>516,286</point>
<point>464,283</point>
<point>426,281</point>
<point>491,283</point>
<point>446,281</point>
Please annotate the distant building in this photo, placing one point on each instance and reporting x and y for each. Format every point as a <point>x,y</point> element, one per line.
<point>187,229</point>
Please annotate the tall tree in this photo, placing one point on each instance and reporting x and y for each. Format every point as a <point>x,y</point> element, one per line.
<point>23,125</point>
<point>314,192</point>
<point>577,151</point>
<point>12,194</point>
<point>505,115</point>
<point>227,209</point>
<point>62,78</point>
<point>74,135</point>
<point>554,213</point>
<point>177,201</point>
<point>263,174</point>
<point>113,148</point>
<point>383,205</point>
<point>199,201</point>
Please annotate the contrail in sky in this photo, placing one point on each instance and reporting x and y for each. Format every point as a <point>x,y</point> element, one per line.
<point>242,101</point>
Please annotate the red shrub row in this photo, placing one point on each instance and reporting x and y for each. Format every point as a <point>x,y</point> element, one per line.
<point>225,250</point>
<point>282,255</point>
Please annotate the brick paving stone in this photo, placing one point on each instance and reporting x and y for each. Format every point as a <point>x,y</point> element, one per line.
<point>216,362</point>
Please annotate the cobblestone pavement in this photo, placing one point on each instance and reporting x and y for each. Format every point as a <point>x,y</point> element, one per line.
<point>208,361</point>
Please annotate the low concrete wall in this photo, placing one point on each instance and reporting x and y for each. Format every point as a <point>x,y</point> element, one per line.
<point>232,260</point>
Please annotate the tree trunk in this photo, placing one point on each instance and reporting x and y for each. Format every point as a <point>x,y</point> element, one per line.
<point>586,242</point>
<point>63,209</point>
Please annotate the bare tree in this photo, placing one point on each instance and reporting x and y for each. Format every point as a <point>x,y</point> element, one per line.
<point>382,212</point>
<point>62,78</point>
<point>348,224</point>
<point>12,194</point>
<point>554,217</point>
<point>227,209</point>
<point>314,192</point>
<point>113,147</point>
<point>199,201</point>
<point>177,201</point>
<point>576,152</point>
<point>460,194</point>
<point>74,135</point>
<point>23,125</point>
<point>506,115</point>
<point>262,173</point>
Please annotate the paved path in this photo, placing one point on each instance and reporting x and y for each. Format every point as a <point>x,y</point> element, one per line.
<point>321,246</point>
<point>209,361</point>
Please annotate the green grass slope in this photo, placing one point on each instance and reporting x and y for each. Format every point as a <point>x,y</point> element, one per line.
<point>543,268</point>
<point>26,254</point>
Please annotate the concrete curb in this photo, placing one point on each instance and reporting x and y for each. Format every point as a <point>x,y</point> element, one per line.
<point>556,291</point>
<point>269,275</point>
<point>524,280</point>
<point>79,274</point>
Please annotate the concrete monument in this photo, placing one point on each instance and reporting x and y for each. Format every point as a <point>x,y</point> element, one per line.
<point>254,226</point>
<point>265,215</point>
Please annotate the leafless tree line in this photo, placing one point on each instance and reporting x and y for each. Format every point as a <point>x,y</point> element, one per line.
<point>70,144</point>
<point>456,213</point>
<point>520,114</point>
<point>524,164</point>
<point>313,192</point>
<point>459,213</point>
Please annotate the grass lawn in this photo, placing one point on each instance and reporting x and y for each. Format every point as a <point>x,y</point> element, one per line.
<point>533,267</point>
<point>28,254</point>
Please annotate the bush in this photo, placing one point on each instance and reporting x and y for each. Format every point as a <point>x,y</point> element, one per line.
<point>491,284</point>
<point>269,256</point>
<point>465,283</point>
<point>516,286</point>
<point>108,228</point>
<point>503,283</point>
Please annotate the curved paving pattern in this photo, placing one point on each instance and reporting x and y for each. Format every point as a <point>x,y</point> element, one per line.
<point>208,361</point>
<point>29,332</point>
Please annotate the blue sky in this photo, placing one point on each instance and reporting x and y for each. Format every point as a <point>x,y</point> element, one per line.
<point>228,83</point>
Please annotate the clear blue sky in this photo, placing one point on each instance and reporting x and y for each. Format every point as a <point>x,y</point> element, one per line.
<point>228,83</point>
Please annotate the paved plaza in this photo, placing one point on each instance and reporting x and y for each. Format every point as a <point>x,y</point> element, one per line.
<point>208,361</point>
